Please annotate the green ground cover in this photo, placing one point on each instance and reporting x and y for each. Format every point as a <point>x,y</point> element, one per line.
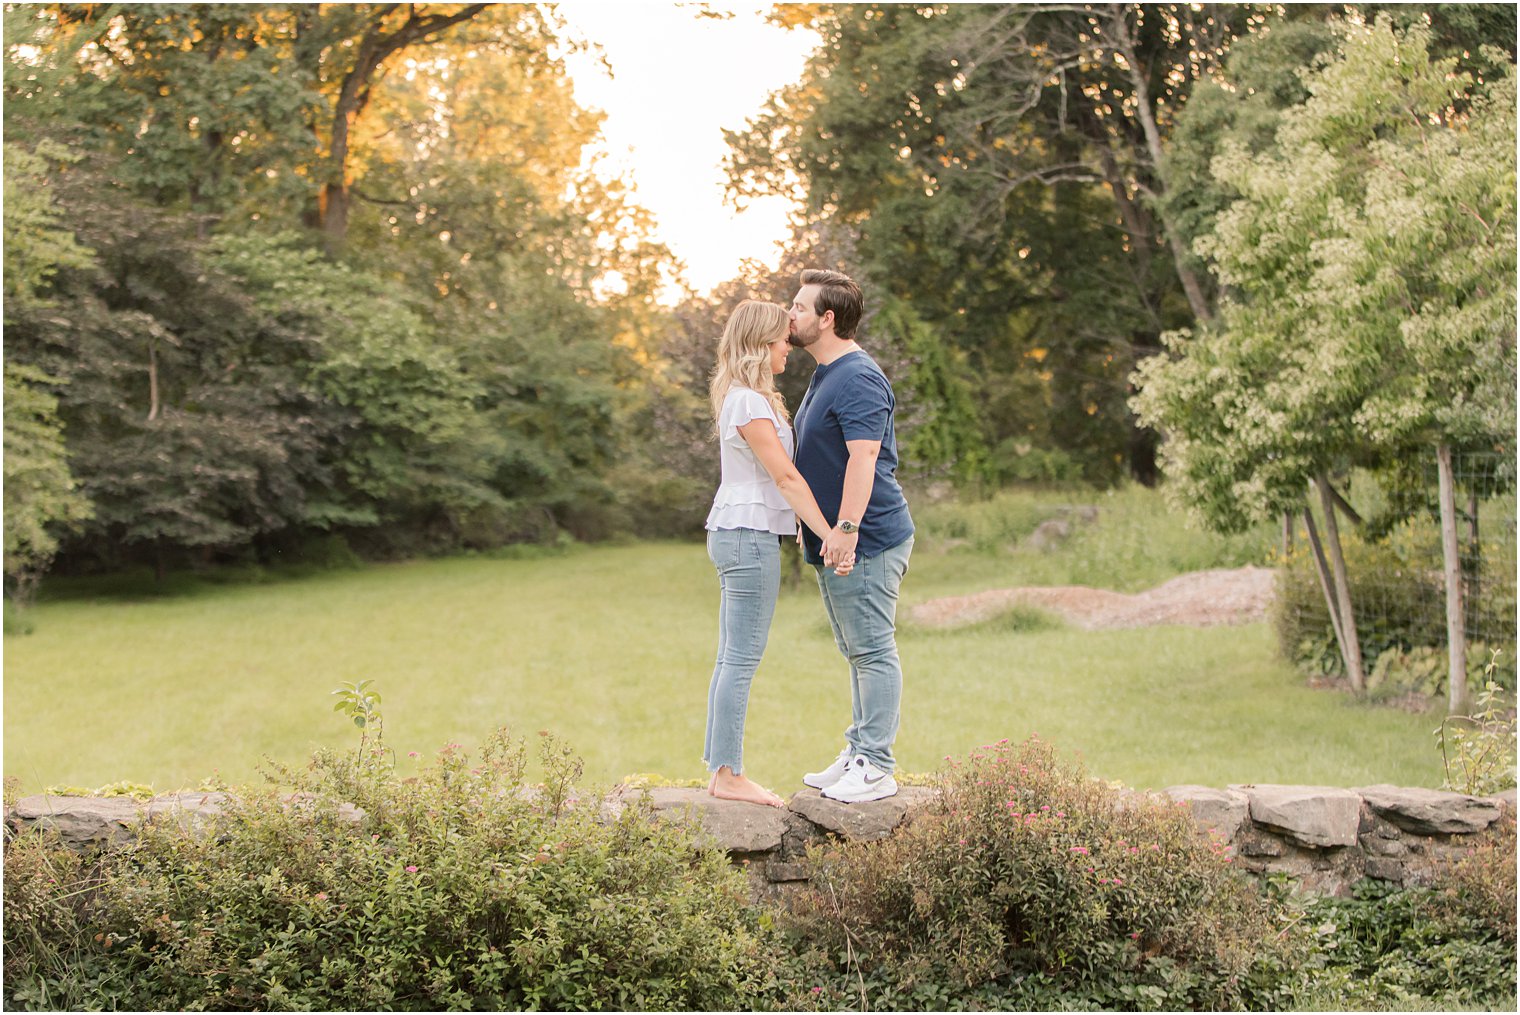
<point>610,646</point>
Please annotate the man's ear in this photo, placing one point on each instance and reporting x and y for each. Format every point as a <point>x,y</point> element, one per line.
<point>827,318</point>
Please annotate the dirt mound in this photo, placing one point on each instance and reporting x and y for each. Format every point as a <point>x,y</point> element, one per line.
<point>1199,599</point>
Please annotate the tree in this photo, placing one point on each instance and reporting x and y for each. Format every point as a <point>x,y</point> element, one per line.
<point>1369,264</point>
<point>1002,166</point>
<point>352,277</point>
<point>222,104</point>
<point>197,102</point>
<point>42,499</point>
<point>187,427</point>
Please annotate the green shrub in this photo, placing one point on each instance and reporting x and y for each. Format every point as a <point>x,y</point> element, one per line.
<point>1398,594</point>
<point>17,619</point>
<point>1385,948</point>
<point>1398,604</point>
<point>998,522</point>
<point>328,552</point>
<point>1478,750</point>
<point>1480,889</point>
<point>457,889</point>
<point>1030,885</point>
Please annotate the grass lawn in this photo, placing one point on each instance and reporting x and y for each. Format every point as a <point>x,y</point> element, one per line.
<point>611,647</point>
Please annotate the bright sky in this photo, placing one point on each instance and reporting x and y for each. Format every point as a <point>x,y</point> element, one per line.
<point>679,80</point>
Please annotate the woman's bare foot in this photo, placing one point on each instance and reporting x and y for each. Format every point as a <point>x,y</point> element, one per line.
<point>712,782</point>
<point>726,785</point>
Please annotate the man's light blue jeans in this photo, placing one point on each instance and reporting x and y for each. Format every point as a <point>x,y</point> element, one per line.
<point>749,580</point>
<point>862,608</point>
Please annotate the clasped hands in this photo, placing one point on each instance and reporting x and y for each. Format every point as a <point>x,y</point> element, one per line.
<point>839,551</point>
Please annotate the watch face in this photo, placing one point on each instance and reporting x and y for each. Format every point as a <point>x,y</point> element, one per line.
<point>847,527</point>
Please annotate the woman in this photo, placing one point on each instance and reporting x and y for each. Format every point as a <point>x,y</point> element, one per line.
<point>758,503</point>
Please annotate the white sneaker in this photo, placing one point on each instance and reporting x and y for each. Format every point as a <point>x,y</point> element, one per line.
<point>832,774</point>
<point>862,781</point>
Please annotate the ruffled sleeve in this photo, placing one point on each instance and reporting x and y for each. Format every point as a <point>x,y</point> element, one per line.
<point>743,406</point>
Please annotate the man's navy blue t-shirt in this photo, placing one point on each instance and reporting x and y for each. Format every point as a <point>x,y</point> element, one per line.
<point>850,399</point>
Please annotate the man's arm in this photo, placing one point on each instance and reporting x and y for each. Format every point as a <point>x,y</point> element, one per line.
<point>859,479</point>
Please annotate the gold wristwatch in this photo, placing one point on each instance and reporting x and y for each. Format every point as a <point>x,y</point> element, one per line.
<point>846,526</point>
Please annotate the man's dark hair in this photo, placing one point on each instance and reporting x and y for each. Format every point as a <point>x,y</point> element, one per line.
<point>839,293</point>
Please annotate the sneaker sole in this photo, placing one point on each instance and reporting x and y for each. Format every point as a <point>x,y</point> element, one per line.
<point>818,783</point>
<point>865,799</point>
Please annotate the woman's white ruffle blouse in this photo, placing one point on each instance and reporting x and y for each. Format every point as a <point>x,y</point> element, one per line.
<point>748,497</point>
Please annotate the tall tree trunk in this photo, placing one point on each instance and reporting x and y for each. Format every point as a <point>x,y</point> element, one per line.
<point>153,404</point>
<point>1457,699</point>
<point>351,101</point>
<point>374,49</point>
<point>1351,648</point>
<point>1287,533</point>
<point>1191,285</point>
<point>1326,582</point>
<point>1345,508</point>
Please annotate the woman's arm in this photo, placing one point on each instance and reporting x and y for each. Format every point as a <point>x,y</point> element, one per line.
<point>760,435</point>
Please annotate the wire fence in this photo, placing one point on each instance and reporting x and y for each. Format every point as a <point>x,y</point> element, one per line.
<point>1391,534</point>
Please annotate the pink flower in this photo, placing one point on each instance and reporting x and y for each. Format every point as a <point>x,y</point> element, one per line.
<point>320,896</point>
<point>411,869</point>
<point>413,754</point>
<point>1081,850</point>
<point>818,990</point>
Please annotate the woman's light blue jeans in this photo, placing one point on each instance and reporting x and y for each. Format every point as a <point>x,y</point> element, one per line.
<point>862,608</point>
<point>749,580</point>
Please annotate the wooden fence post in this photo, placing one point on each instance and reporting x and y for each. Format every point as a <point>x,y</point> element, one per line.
<point>1457,699</point>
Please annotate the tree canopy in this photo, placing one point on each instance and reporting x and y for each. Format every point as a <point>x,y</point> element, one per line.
<point>1368,263</point>
<point>275,271</point>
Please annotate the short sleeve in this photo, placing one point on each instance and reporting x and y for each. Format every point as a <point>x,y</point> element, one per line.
<point>864,408</point>
<point>740,407</point>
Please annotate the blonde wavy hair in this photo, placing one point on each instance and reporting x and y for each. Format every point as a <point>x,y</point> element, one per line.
<point>744,355</point>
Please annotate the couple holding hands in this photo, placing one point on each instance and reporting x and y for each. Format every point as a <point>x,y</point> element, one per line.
<point>834,468</point>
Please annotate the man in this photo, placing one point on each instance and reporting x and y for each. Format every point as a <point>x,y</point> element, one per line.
<point>847,452</point>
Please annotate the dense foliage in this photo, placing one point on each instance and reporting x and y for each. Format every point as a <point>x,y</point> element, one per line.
<point>1024,888</point>
<point>1387,949</point>
<point>458,889</point>
<point>1396,586</point>
<point>1028,885</point>
<point>1369,257</point>
<point>281,272</point>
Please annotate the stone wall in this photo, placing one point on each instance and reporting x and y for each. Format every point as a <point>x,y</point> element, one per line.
<point>1325,838</point>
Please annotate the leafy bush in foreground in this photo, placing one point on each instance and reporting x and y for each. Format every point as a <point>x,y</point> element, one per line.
<point>457,889</point>
<point>1028,886</point>
<point>1031,885</point>
<point>1391,949</point>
